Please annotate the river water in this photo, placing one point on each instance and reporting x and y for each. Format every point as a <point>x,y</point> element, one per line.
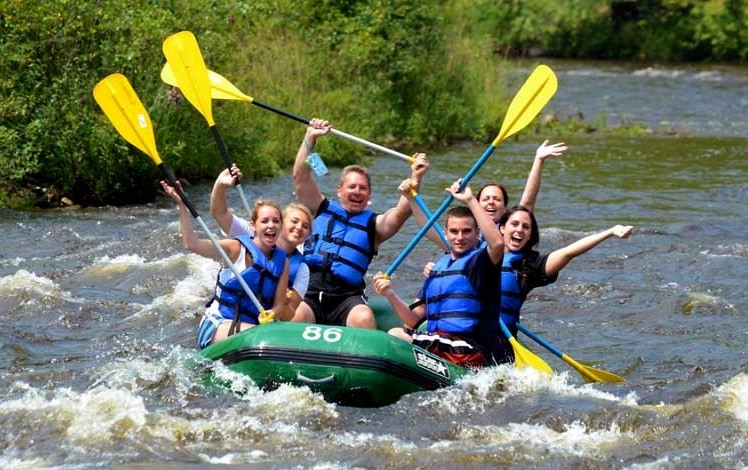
<point>99,309</point>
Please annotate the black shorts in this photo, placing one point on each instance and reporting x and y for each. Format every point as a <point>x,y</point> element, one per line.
<point>333,309</point>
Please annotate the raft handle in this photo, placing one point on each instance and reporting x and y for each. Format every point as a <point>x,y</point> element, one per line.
<point>310,381</point>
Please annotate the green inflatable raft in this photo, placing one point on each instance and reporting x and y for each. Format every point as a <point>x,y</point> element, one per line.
<point>349,366</point>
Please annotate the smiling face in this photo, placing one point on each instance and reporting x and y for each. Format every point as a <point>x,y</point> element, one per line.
<point>267,224</point>
<point>354,191</point>
<point>492,199</point>
<point>517,230</point>
<point>297,225</point>
<point>462,232</point>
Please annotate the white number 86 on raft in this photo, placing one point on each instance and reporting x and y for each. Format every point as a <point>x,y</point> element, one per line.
<point>315,333</point>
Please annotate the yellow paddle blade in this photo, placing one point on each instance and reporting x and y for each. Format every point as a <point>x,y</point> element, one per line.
<point>220,87</point>
<point>537,90</point>
<point>189,70</point>
<point>167,76</point>
<point>223,89</point>
<point>524,357</point>
<point>590,374</point>
<point>121,105</point>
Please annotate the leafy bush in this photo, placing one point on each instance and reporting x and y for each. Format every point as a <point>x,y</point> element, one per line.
<point>408,75</point>
<point>369,64</point>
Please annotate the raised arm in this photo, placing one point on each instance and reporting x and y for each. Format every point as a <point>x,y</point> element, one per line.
<point>390,222</point>
<point>307,191</point>
<point>383,286</point>
<point>218,207</point>
<point>190,240</point>
<point>406,190</point>
<point>558,259</point>
<point>486,225</point>
<point>532,187</point>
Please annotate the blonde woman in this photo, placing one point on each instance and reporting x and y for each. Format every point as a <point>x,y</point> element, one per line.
<point>297,225</point>
<point>263,266</point>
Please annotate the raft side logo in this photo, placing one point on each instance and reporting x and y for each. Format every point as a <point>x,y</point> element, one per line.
<point>437,366</point>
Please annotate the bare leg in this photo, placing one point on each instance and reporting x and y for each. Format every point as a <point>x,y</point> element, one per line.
<point>222,332</point>
<point>398,332</point>
<point>303,314</point>
<point>361,316</point>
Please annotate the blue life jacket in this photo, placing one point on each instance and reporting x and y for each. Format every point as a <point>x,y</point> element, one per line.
<point>452,303</point>
<point>262,278</point>
<point>511,294</point>
<point>342,244</point>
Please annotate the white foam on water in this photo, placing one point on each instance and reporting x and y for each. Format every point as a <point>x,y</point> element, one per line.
<point>575,440</point>
<point>113,409</point>
<point>197,286</point>
<point>121,260</point>
<point>15,262</point>
<point>663,463</point>
<point>734,250</point>
<point>234,458</point>
<point>707,76</point>
<point>657,72</point>
<point>287,401</point>
<point>23,281</point>
<point>383,443</point>
<point>94,416</point>
<point>734,397</point>
<point>10,462</point>
<point>281,419</point>
<point>708,301</point>
<point>493,385</point>
<point>176,367</point>
<point>189,294</point>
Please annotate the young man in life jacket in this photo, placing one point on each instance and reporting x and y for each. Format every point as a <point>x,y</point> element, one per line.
<point>458,299</point>
<point>345,236</point>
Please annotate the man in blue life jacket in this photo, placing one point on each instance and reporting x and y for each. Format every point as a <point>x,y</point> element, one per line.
<point>458,299</point>
<point>345,236</point>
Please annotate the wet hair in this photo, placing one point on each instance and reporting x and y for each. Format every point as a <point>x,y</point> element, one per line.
<point>461,212</point>
<point>262,203</point>
<point>534,232</point>
<point>357,169</point>
<point>300,207</point>
<point>498,185</point>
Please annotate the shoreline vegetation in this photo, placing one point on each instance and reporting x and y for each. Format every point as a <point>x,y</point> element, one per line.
<point>403,74</point>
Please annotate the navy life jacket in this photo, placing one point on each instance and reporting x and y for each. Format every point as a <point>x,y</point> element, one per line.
<point>511,294</point>
<point>262,278</point>
<point>452,303</point>
<point>342,244</point>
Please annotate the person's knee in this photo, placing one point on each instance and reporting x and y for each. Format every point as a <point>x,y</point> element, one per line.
<point>361,316</point>
<point>304,314</point>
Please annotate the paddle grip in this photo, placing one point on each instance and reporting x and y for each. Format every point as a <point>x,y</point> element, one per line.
<point>221,146</point>
<point>280,111</point>
<point>173,183</point>
<point>227,162</point>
